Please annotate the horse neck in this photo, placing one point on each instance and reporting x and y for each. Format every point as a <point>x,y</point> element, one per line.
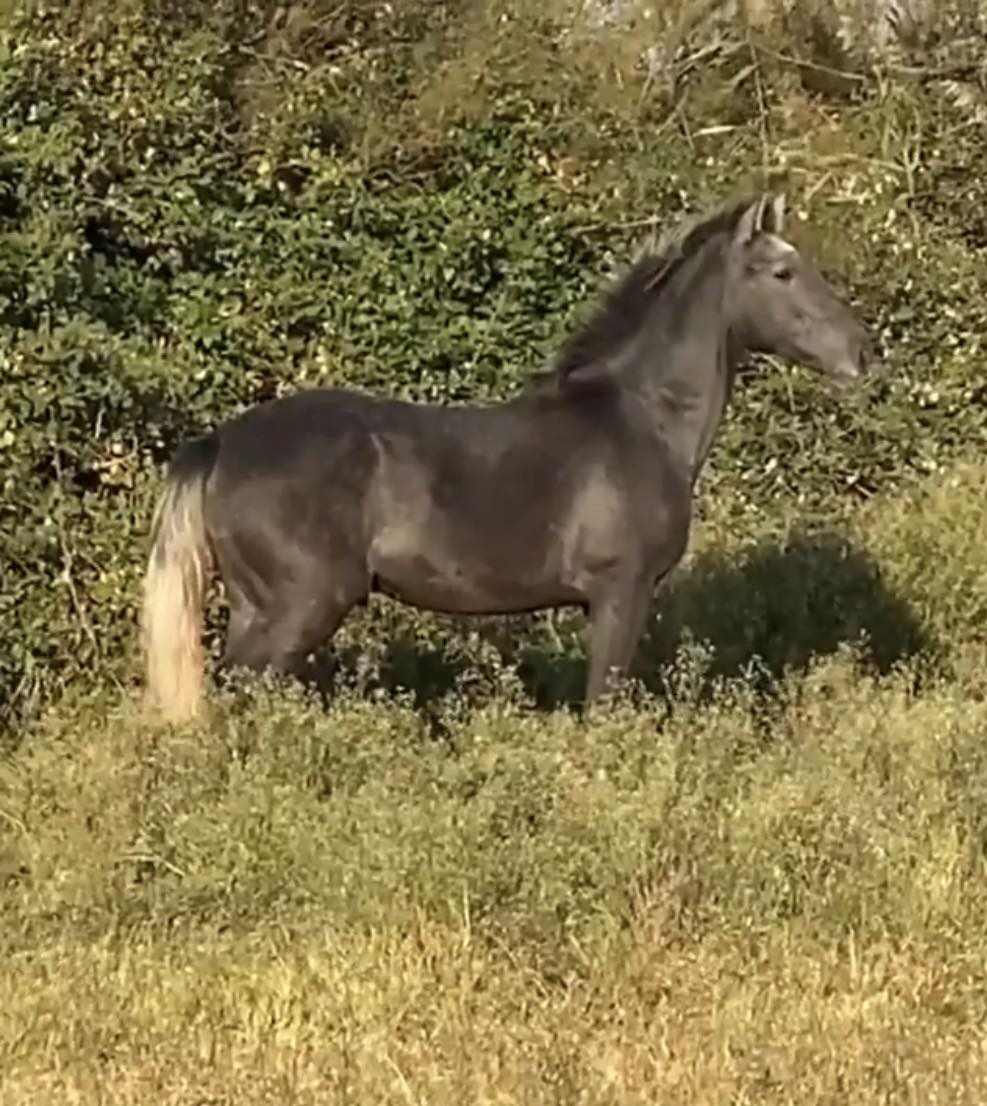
<point>692,359</point>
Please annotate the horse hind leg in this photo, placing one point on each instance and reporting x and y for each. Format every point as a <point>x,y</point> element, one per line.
<point>238,649</point>
<point>242,615</point>
<point>292,623</point>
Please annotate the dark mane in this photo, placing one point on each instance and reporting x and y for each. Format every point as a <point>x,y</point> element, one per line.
<point>623,306</point>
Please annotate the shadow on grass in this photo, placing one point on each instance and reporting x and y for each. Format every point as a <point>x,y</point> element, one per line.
<point>763,611</point>
<point>786,604</point>
<point>766,611</point>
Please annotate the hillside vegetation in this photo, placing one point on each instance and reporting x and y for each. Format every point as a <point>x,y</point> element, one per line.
<point>759,877</point>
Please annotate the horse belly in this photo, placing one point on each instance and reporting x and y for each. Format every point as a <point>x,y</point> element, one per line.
<point>420,568</point>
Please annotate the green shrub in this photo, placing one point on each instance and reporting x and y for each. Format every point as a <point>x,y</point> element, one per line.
<point>203,205</point>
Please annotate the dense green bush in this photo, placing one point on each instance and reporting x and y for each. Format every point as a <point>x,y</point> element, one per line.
<point>204,204</point>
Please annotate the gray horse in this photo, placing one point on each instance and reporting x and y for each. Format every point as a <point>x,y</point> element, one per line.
<point>578,491</point>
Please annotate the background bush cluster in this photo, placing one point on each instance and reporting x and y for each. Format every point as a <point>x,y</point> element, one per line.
<point>204,204</point>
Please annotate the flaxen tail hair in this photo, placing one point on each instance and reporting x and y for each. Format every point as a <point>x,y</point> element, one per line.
<point>178,570</point>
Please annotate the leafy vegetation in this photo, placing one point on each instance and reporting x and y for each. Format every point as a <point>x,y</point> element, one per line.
<point>756,880</point>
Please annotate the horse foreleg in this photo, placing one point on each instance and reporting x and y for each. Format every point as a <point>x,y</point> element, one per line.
<point>616,623</point>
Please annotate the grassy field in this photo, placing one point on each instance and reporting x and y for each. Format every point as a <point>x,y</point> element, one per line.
<point>758,878</point>
<point>725,890</point>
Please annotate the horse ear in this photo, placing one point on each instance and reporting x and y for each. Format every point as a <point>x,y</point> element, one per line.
<point>773,220</point>
<point>589,377</point>
<point>751,222</point>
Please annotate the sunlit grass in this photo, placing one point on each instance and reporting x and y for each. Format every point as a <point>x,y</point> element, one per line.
<point>760,879</point>
<point>739,894</point>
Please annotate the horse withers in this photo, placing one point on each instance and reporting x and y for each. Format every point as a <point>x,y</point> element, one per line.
<point>577,491</point>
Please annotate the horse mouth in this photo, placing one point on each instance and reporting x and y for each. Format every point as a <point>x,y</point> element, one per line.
<point>853,366</point>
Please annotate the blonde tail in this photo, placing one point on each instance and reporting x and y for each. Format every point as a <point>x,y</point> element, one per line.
<point>175,581</point>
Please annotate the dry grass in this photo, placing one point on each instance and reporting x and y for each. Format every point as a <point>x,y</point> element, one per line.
<point>427,1018</point>
<point>742,899</point>
<point>639,62</point>
<point>765,888</point>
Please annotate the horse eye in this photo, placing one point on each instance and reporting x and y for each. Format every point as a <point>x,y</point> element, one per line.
<point>784,273</point>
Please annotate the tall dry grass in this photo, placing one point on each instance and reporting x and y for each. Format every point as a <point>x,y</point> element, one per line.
<point>759,879</point>
<point>721,895</point>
